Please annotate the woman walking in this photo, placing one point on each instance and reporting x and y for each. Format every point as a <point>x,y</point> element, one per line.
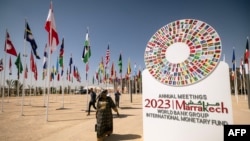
<point>104,116</point>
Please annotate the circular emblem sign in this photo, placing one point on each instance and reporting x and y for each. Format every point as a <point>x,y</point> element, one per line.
<point>183,52</point>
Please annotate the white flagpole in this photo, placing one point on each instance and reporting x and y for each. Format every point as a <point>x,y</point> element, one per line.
<point>87,103</point>
<point>62,91</point>
<point>31,84</point>
<point>9,89</point>
<point>62,69</point>
<point>44,75</point>
<point>44,93</point>
<point>24,55</point>
<point>48,68</point>
<point>3,85</point>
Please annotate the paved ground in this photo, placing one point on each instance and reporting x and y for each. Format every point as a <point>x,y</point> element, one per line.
<point>72,123</point>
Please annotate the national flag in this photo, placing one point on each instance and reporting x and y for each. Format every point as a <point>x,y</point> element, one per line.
<point>233,60</point>
<point>120,63</point>
<point>45,58</point>
<point>61,53</point>
<point>26,72</point>
<point>10,66</point>
<point>32,62</point>
<point>107,57</point>
<point>19,65</point>
<point>70,63</point>
<point>9,47</point>
<point>86,50</point>
<point>50,27</point>
<point>28,36</point>
<point>1,64</point>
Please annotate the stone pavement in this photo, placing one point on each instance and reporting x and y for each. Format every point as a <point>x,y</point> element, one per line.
<point>71,123</point>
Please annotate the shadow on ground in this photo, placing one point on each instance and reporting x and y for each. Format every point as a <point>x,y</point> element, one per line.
<point>122,137</point>
<point>129,108</point>
<point>121,116</point>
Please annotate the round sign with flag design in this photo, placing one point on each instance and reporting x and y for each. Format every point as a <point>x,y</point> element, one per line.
<point>183,52</point>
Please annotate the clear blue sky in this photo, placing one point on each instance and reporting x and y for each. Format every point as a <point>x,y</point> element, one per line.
<point>126,25</point>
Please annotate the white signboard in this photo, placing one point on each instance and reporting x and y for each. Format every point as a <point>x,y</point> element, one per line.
<point>194,112</point>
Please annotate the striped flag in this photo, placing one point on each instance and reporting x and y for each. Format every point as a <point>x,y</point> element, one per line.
<point>107,57</point>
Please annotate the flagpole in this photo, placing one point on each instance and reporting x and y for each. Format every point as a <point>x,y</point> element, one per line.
<point>3,85</point>
<point>3,91</point>
<point>30,85</point>
<point>24,55</point>
<point>62,82</point>
<point>9,80</point>
<point>45,74</point>
<point>87,87</point>
<point>9,89</point>
<point>48,68</point>
<point>62,91</point>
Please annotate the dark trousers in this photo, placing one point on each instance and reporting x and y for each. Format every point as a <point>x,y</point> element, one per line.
<point>91,104</point>
<point>117,103</point>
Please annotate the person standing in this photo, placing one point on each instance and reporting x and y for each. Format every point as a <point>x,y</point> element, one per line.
<point>92,100</point>
<point>104,116</point>
<point>117,98</point>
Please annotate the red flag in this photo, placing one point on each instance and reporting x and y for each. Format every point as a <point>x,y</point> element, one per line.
<point>9,47</point>
<point>50,27</point>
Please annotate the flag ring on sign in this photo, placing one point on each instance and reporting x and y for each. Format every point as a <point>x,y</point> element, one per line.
<point>183,52</point>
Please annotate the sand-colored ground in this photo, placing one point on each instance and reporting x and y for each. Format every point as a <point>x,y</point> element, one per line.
<point>72,123</point>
